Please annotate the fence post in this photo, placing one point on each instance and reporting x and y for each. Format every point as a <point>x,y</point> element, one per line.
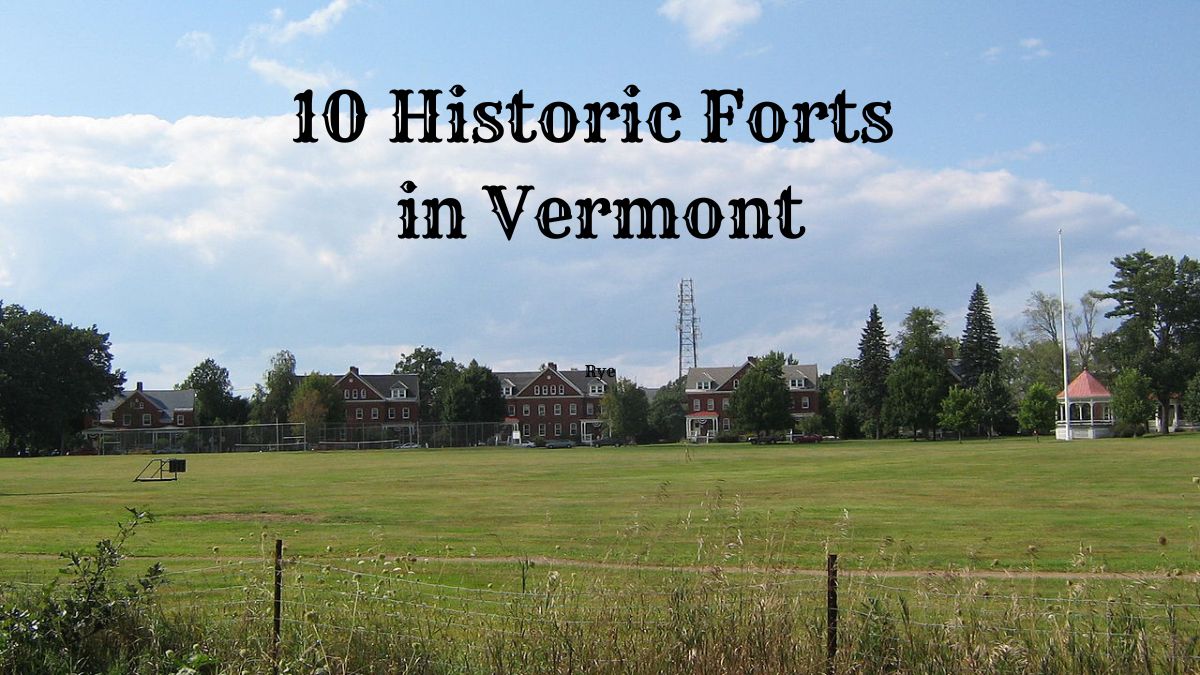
<point>278,605</point>
<point>831,616</point>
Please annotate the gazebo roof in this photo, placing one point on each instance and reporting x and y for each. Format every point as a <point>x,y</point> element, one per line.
<point>1086,386</point>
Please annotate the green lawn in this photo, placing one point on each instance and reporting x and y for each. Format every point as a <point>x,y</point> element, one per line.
<point>891,504</point>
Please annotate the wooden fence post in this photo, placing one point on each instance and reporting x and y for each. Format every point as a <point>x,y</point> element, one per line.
<point>278,606</point>
<point>831,615</point>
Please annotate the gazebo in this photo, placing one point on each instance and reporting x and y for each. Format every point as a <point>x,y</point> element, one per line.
<point>1091,409</point>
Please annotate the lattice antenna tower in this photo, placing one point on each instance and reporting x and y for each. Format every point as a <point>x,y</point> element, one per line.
<point>688,327</point>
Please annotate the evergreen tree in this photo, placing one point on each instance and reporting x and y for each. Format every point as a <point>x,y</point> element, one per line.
<point>980,345</point>
<point>874,363</point>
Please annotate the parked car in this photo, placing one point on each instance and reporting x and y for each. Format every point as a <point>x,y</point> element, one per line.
<point>602,442</point>
<point>806,438</point>
<point>560,443</point>
<point>766,440</point>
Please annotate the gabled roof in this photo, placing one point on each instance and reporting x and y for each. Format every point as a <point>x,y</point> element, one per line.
<point>578,379</point>
<point>382,385</point>
<point>166,400</point>
<point>1086,386</point>
<point>721,375</point>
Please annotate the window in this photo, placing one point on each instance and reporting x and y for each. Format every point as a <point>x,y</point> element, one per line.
<point>398,392</point>
<point>712,405</point>
<point>596,389</point>
<point>725,424</point>
<point>525,410</point>
<point>562,389</point>
<point>804,403</point>
<point>735,383</point>
<point>354,394</point>
<point>574,428</point>
<point>704,385</point>
<point>364,394</point>
<point>127,420</point>
<point>138,405</point>
<point>542,430</point>
<point>346,394</point>
<point>406,413</point>
<point>146,419</point>
<point>541,410</point>
<point>391,413</point>
<point>724,404</point>
<point>507,389</point>
<point>179,420</point>
<point>696,404</point>
<point>512,410</point>
<point>374,413</point>
<point>525,430</point>
<point>558,430</point>
<point>557,409</point>
<point>590,410</point>
<point>537,390</point>
<point>358,414</point>
<point>574,409</point>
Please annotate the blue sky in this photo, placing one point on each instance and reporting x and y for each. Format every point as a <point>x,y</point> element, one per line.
<point>149,185</point>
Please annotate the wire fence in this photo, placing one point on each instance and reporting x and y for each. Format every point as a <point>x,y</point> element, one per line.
<point>391,603</point>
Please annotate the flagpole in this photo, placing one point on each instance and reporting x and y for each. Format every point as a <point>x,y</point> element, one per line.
<point>1062,294</point>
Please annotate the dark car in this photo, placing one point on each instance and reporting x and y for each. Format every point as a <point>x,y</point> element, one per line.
<point>560,443</point>
<point>601,442</point>
<point>766,440</point>
<point>806,438</point>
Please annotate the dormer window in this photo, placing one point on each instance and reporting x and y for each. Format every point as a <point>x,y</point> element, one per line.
<point>508,390</point>
<point>704,385</point>
<point>596,389</point>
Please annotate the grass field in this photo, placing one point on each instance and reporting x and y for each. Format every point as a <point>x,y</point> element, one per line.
<point>1120,505</point>
<point>647,560</point>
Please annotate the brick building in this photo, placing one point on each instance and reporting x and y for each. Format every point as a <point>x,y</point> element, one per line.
<point>142,408</point>
<point>381,400</point>
<point>553,403</point>
<point>709,391</point>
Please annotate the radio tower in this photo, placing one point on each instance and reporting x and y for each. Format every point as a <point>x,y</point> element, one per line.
<point>688,326</point>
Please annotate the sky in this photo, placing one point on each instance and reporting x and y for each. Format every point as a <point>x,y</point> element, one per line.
<point>149,183</point>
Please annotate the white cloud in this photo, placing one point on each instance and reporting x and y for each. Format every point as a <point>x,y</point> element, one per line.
<point>1033,48</point>
<point>710,23</point>
<point>198,43</point>
<point>992,54</point>
<point>249,243</point>
<point>317,23</point>
<point>293,79</point>
<point>1033,149</point>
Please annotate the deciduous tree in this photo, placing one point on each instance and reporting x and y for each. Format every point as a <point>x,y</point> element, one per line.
<point>625,410</point>
<point>1037,409</point>
<point>761,403</point>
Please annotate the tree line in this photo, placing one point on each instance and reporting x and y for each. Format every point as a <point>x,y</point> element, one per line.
<point>54,376</point>
<point>923,380</point>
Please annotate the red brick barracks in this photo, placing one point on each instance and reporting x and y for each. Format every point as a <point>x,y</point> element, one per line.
<point>547,403</point>
<point>709,390</point>
<point>554,403</point>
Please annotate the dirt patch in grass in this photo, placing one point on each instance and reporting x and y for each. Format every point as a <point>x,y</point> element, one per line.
<point>254,517</point>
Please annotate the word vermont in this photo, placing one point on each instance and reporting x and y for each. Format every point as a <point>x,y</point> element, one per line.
<point>638,217</point>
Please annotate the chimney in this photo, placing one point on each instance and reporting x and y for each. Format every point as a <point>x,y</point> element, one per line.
<point>354,369</point>
<point>139,386</point>
<point>552,365</point>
